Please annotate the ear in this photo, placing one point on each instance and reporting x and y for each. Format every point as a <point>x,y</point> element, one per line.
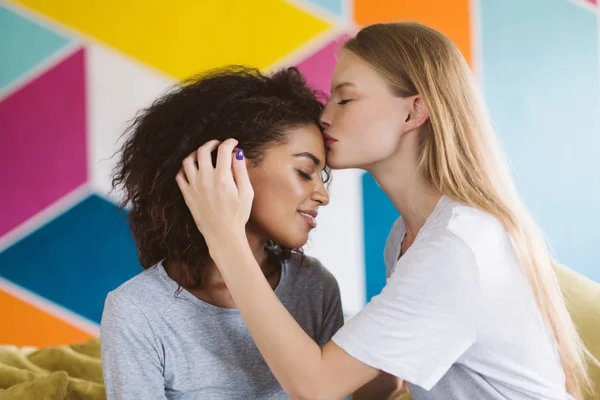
<point>417,113</point>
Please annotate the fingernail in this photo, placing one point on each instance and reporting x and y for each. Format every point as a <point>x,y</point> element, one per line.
<point>239,154</point>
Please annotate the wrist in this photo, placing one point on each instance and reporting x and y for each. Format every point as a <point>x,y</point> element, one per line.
<point>228,245</point>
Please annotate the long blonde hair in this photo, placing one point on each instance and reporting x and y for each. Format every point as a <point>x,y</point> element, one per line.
<point>461,157</point>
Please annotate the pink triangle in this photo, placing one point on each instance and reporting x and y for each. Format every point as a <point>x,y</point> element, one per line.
<point>318,68</point>
<point>43,141</point>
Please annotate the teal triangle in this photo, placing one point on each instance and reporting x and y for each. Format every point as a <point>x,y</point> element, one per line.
<point>334,6</point>
<point>24,44</point>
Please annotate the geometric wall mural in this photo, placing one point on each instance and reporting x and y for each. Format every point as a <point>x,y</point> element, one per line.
<point>544,97</point>
<point>44,145</point>
<point>61,268</point>
<point>74,73</point>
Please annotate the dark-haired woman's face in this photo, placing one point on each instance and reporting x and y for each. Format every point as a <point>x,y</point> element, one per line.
<point>288,188</point>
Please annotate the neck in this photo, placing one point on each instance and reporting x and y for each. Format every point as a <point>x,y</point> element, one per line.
<point>211,276</point>
<point>412,195</point>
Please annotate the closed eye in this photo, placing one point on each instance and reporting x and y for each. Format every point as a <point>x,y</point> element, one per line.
<point>305,176</point>
<point>345,101</point>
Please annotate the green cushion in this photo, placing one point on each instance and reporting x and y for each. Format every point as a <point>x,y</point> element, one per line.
<point>27,373</point>
<point>64,358</point>
<point>583,300</point>
<point>50,387</point>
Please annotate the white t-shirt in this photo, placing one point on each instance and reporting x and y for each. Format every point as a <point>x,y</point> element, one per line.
<point>457,318</point>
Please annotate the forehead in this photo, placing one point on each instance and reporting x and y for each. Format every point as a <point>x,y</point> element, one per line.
<point>352,71</point>
<point>307,135</point>
<point>306,138</point>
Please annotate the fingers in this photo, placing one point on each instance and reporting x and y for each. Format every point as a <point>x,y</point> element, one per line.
<point>200,163</point>
<point>204,155</point>
<point>211,193</point>
<point>224,158</point>
<point>189,167</point>
<point>181,179</point>
<point>242,179</point>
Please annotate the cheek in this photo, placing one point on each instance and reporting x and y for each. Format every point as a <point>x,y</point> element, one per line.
<point>382,118</point>
<point>275,203</point>
<point>284,190</point>
<point>367,132</point>
<point>363,120</point>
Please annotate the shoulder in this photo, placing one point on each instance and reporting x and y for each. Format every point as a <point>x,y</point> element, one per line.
<point>134,293</point>
<point>456,237</point>
<point>464,223</point>
<point>440,253</point>
<point>310,269</point>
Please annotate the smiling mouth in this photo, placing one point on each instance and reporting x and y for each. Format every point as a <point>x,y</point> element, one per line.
<point>310,220</point>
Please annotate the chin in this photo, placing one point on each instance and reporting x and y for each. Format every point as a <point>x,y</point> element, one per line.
<point>333,162</point>
<point>294,244</point>
<point>293,241</point>
<point>337,161</point>
<point>352,160</point>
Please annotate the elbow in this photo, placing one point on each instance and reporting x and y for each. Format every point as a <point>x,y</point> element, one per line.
<point>307,392</point>
<point>298,396</point>
<point>311,385</point>
<point>302,392</point>
<point>302,396</point>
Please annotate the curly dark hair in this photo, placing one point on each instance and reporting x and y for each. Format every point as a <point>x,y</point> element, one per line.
<point>234,101</point>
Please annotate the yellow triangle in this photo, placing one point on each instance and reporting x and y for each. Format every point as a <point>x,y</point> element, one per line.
<point>183,37</point>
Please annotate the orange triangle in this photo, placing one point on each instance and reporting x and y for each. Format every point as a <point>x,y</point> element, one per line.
<point>23,324</point>
<point>452,18</point>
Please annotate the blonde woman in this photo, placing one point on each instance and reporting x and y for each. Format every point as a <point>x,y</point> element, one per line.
<point>472,308</point>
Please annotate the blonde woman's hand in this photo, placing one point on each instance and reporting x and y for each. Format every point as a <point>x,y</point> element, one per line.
<point>219,198</point>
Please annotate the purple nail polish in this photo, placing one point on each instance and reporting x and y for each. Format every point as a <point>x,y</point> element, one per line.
<point>239,154</point>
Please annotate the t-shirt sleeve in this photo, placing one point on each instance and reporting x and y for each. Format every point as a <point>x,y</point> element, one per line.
<point>425,318</point>
<point>131,358</point>
<point>333,316</point>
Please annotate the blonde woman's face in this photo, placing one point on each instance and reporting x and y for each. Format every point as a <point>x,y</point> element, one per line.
<point>363,120</point>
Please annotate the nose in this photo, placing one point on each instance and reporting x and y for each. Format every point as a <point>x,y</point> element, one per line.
<point>326,116</point>
<point>320,194</point>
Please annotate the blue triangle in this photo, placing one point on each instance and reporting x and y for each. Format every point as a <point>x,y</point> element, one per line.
<point>379,214</point>
<point>75,259</point>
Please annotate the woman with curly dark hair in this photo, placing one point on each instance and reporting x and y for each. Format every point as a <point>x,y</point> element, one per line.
<point>173,331</point>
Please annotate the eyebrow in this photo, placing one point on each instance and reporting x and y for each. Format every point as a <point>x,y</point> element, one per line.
<point>341,86</point>
<point>306,154</point>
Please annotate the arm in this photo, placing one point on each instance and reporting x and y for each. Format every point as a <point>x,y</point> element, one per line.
<point>304,370</point>
<point>423,321</point>
<point>384,387</point>
<point>130,359</point>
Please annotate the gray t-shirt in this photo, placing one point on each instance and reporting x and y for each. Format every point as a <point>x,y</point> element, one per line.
<point>157,344</point>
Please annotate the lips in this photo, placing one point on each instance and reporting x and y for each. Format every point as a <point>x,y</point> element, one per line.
<point>310,217</point>
<point>329,140</point>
